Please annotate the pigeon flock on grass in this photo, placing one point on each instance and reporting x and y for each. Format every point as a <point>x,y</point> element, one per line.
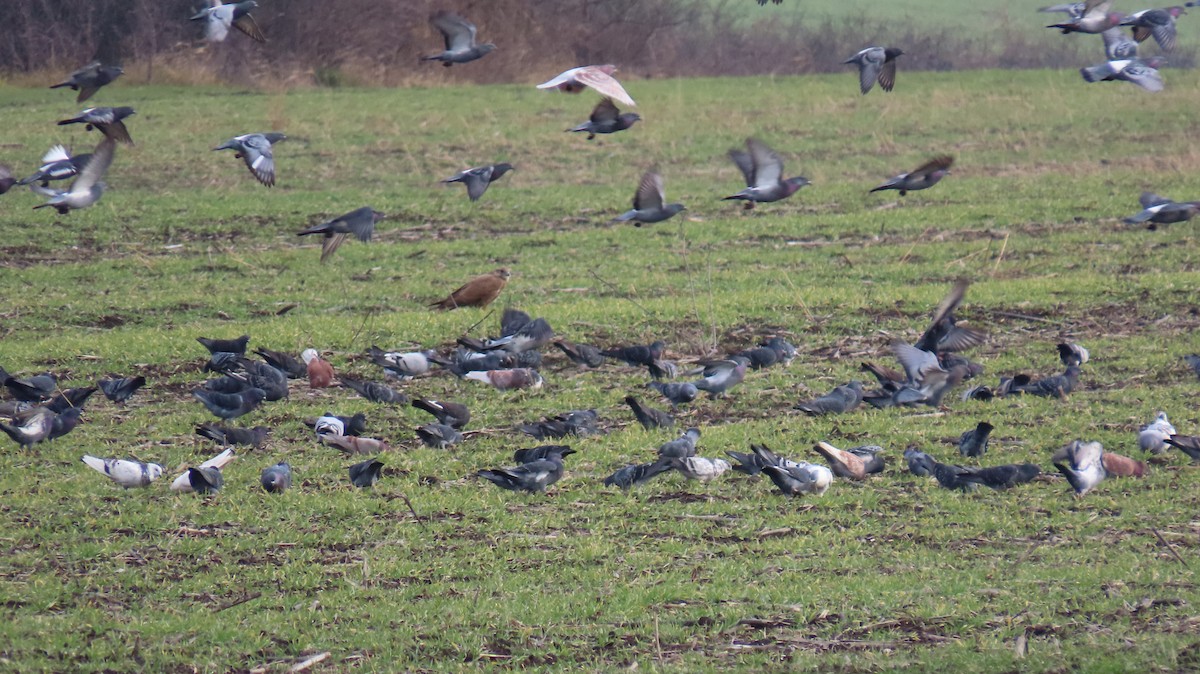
<point>42,410</point>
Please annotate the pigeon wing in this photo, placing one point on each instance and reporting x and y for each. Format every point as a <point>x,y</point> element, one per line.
<point>457,31</point>
<point>605,111</point>
<point>939,163</point>
<point>887,75</point>
<point>1144,76</point>
<point>1150,200</point>
<point>768,167</point>
<point>249,26</point>
<point>604,83</point>
<point>869,69</point>
<point>649,192</point>
<point>745,164</point>
<point>94,171</point>
<point>256,151</point>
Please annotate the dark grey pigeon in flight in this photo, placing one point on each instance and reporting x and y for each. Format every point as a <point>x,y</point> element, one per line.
<point>1156,23</point>
<point>477,179</point>
<point>649,203</point>
<point>88,79</point>
<point>107,120</point>
<point>460,40</point>
<point>762,168</point>
<point>1143,73</point>
<point>606,118</point>
<point>360,223</point>
<point>876,64</point>
<point>923,177</point>
<point>255,150</point>
<point>1162,211</point>
<point>87,189</point>
<point>944,334</point>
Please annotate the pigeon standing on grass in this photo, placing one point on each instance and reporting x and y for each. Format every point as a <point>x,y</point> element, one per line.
<point>681,447</point>
<point>230,405</point>
<point>402,365</point>
<point>376,393</point>
<point>975,441</point>
<point>855,463</point>
<point>504,380</point>
<point>219,18</point>
<point>762,168</point>
<point>605,119</point>
<point>1071,353</point>
<point>121,389</point>
<point>876,64</point>
<point>276,479</point>
<point>88,79</point>
<point>633,475</point>
<point>923,177</point>
<point>256,150</point>
<point>647,416</point>
<point>126,472</point>
<point>33,427</point>
<point>1153,436</point>
<point>639,354</point>
<point>700,468</point>
<point>531,477</point>
<point>87,189</point>
<point>286,363</point>
<point>365,474</point>
<point>1082,463</point>
<point>459,35</point>
<point>33,389</point>
<point>235,346</point>
<point>439,436</point>
<point>722,375</point>
<point>360,223</point>
<point>649,202</point>
<point>107,121</point>
<point>919,463</point>
<point>599,78</point>
<point>581,354</point>
<point>226,435</point>
<point>452,414</point>
<point>183,483</point>
<point>677,393</point>
<point>1188,444</point>
<point>479,178</point>
<point>841,399</point>
<point>799,478</point>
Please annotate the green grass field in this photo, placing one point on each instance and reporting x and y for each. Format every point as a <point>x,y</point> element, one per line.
<point>893,574</point>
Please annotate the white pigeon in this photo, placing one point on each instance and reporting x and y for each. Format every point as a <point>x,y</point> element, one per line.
<point>1152,437</point>
<point>597,77</point>
<point>87,188</point>
<point>700,468</point>
<point>329,425</point>
<point>125,472</point>
<point>400,364</point>
<point>183,484</point>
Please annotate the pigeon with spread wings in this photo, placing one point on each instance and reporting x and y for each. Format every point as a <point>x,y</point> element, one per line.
<point>649,202</point>
<point>762,168</point>
<point>219,18</point>
<point>87,189</point>
<point>459,35</point>
<point>923,177</point>
<point>360,223</point>
<point>876,64</point>
<point>479,178</point>
<point>599,78</point>
<point>255,150</point>
<point>606,118</point>
<point>88,79</point>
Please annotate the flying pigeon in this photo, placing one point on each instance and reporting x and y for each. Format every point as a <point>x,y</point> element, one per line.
<point>700,468</point>
<point>365,474</point>
<point>107,121</point>
<point>923,177</point>
<point>126,472</point>
<point>531,477</point>
<point>121,389</point>
<point>286,363</point>
<point>57,164</point>
<point>276,479</point>
<point>647,416</point>
<point>762,168</point>
<point>855,463</point>
<point>975,441</point>
<point>721,375</point>
<point>649,202</point>
<point>1157,23</point>
<point>581,354</point>
<point>876,64</point>
<point>1117,46</point>
<point>1163,211</point>
<point>1095,18</point>
<point>460,40</point>
<point>183,483</point>
<point>376,393</point>
<point>599,78</point>
<point>606,118</point>
<point>360,223</point>
<point>677,393</point>
<point>633,475</point>
<point>944,334</point>
<point>681,447</point>
<point>1143,73</point>
<point>841,399</point>
<point>1153,436</point>
<point>227,435</point>
<point>88,79</point>
<point>455,415</point>
<point>1073,9</point>
<point>256,150</point>
<point>479,178</point>
<point>219,18</point>
<point>478,292</point>
<point>926,380</point>
<point>87,189</point>
<point>1082,463</point>
<point>230,405</point>
<point>505,380</point>
<point>320,372</point>
<point>439,436</point>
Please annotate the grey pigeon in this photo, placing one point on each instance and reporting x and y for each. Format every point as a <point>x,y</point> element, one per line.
<point>944,334</point>
<point>770,352</point>
<point>1118,46</point>
<point>479,178</point>
<point>952,477</point>
<point>87,188</point>
<point>360,223</point>
<point>633,475</point>
<point>452,414</point>
<point>402,365</point>
<point>228,435</point>
<point>121,389</point>
<point>205,479</point>
<point>1082,463</point>
<point>1071,353</point>
<point>218,18</point>
<point>276,479</point>
<point>230,405</point>
<point>88,79</point>
<point>647,416</point>
<point>261,375</point>
<point>1056,386</point>
<point>65,399</point>
<point>1162,211</point>
<point>799,478</point>
<point>1153,436</point>
<point>107,120</point>
<point>923,177</point>
<point>365,474</point>
<point>33,428</point>
<point>677,393</point>
<point>541,452</point>
<point>599,78</point>
<point>876,64</point>
<point>376,393</point>
<point>1003,477</point>
<point>649,203</point>
<point>64,422</point>
<point>1069,8</point>
<point>125,472</point>
<point>579,423</point>
<point>332,423</point>
<point>1095,18</point>
<point>255,149</point>
<point>926,380</point>
<point>1194,361</point>
<point>439,436</point>
<point>1156,23</point>
<point>581,354</point>
<point>7,179</point>
<point>762,168</point>
<point>919,463</point>
<point>841,399</point>
<point>460,40</point>
<point>57,164</point>
<point>760,457</point>
<point>681,447</point>
<point>975,441</point>
<point>722,375</point>
<point>700,468</point>
<point>1143,73</point>
<point>215,345</point>
<point>639,354</point>
<point>286,363</point>
<point>532,477</point>
<point>606,118</point>
<point>33,389</point>
<point>1188,444</point>
<point>531,335</point>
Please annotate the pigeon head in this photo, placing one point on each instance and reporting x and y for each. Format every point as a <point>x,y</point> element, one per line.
<point>377,215</point>
<point>657,349</point>
<point>274,137</point>
<point>309,355</point>
<point>154,471</point>
<point>500,169</point>
<point>485,48</point>
<point>892,52</point>
<point>626,119</point>
<point>1176,11</point>
<point>793,184</point>
<point>503,273</point>
<point>674,208</point>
